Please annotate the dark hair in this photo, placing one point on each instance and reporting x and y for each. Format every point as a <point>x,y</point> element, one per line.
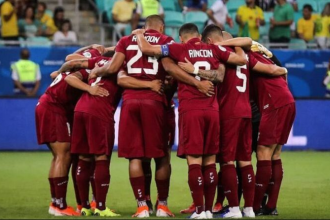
<point>25,54</point>
<point>25,11</point>
<point>188,28</point>
<point>109,53</point>
<point>58,23</point>
<point>43,4</point>
<point>154,18</point>
<point>309,7</point>
<point>210,29</point>
<point>66,21</point>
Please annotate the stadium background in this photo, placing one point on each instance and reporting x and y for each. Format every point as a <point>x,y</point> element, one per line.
<point>305,191</point>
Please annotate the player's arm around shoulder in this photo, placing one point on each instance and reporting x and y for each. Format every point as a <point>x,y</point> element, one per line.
<point>75,80</point>
<point>145,47</point>
<point>270,69</point>
<point>74,64</point>
<point>238,58</point>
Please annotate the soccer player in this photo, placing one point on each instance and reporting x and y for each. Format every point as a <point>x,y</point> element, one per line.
<point>93,134</point>
<point>199,116</point>
<point>277,108</point>
<point>143,116</point>
<point>53,123</point>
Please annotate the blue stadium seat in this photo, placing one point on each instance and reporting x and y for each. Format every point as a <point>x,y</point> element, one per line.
<point>234,30</point>
<point>108,4</point>
<point>264,30</point>
<point>233,5</point>
<point>297,16</point>
<point>197,17</point>
<point>297,44</point>
<point>168,5</point>
<point>173,21</point>
<point>268,16</point>
<point>36,41</point>
<point>210,3</point>
<point>301,4</point>
<point>100,4</point>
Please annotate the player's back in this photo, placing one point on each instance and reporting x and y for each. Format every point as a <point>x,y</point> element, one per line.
<point>270,92</point>
<point>141,66</point>
<point>234,92</point>
<point>102,107</point>
<point>202,56</point>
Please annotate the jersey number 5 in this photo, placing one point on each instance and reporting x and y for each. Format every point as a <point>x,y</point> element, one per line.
<point>133,60</point>
<point>242,76</point>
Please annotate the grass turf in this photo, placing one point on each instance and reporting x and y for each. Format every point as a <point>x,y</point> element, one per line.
<point>24,190</point>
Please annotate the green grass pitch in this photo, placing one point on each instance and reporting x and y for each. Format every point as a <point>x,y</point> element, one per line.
<point>24,191</point>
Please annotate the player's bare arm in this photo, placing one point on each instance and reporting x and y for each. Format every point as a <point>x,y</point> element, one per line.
<point>270,69</point>
<point>111,67</point>
<point>75,80</point>
<point>126,81</point>
<point>211,75</point>
<point>54,74</point>
<point>99,47</point>
<point>205,87</point>
<point>244,42</point>
<point>238,58</point>
<point>145,47</point>
<point>74,64</point>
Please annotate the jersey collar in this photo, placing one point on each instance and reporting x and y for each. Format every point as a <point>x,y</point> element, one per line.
<point>194,40</point>
<point>150,31</point>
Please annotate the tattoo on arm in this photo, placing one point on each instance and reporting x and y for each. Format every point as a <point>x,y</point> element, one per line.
<point>213,75</point>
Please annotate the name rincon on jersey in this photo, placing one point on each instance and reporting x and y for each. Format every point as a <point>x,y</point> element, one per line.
<point>200,53</point>
<point>150,39</point>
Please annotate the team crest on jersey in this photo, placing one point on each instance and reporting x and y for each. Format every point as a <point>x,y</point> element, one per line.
<point>87,54</point>
<point>222,48</point>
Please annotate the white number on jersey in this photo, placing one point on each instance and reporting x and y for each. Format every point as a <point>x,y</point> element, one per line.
<point>138,55</point>
<point>204,64</point>
<point>98,79</point>
<point>58,79</point>
<point>242,76</point>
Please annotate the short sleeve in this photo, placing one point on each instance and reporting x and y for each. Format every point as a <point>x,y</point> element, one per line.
<point>290,13</point>
<point>222,53</point>
<point>175,50</point>
<point>240,11</point>
<point>92,62</point>
<point>300,26</point>
<point>85,74</point>
<point>252,60</point>
<point>115,9</point>
<point>217,6</point>
<point>120,47</point>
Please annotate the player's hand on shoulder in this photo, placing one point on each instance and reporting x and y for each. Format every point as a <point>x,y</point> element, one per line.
<point>138,31</point>
<point>187,66</point>
<point>97,90</point>
<point>157,86</point>
<point>93,73</point>
<point>206,87</point>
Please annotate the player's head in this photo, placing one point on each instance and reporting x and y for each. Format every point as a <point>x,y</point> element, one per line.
<point>155,22</point>
<point>109,53</point>
<point>212,34</point>
<point>25,54</point>
<point>226,35</point>
<point>307,11</point>
<point>188,31</point>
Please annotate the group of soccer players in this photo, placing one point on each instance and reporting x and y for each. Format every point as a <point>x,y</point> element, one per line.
<point>216,78</point>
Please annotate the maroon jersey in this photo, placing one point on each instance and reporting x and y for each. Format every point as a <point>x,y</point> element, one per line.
<point>61,96</point>
<point>143,67</point>
<point>270,92</point>
<point>234,92</point>
<point>203,56</point>
<point>101,107</point>
<point>90,53</point>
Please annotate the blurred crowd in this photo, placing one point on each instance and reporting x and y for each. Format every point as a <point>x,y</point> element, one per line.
<point>30,20</point>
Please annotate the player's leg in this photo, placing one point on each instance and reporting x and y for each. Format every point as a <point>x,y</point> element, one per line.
<point>229,136</point>
<point>243,156</point>
<point>52,206</point>
<point>146,165</point>
<point>162,178</point>
<point>218,206</point>
<point>210,178</point>
<point>61,170</point>
<point>74,166</point>
<point>131,146</point>
<point>196,184</point>
<point>276,181</point>
<point>92,184</point>
<point>263,174</point>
